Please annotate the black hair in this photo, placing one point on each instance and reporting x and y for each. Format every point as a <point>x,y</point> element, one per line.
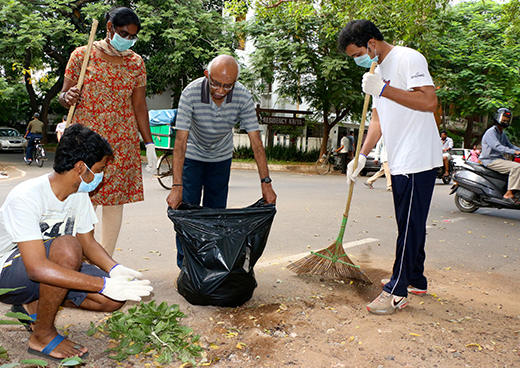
<point>445,132</point>
<point>122,16</point>
<point>358,32</point>
<point>79,143</point>
<point>64,117</point>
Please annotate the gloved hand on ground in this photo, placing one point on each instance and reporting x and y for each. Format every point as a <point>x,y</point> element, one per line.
<point>121,289</point>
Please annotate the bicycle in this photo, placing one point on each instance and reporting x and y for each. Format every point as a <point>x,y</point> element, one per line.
<point>165,169</point>
<point>328,161</point>
<point>38,153</point>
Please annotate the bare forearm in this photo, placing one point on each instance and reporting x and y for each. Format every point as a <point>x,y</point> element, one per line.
<point>373,134</point>
<point>141,113</point>
<point>259,153</point>
<point>420,98</point>
<point>53,274</point>
<point>95,253</point>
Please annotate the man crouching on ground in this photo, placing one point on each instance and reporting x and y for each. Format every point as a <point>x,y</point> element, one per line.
<point>46,228</point>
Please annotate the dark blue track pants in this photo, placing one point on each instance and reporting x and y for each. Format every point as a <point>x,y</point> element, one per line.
<point>208,181</point>
<point>412,197</point>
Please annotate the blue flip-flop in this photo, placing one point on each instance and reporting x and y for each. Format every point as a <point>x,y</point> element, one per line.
<point>17,308</point>
<point>50,347</point>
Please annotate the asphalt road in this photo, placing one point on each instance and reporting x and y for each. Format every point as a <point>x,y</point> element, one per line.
<point>310,209</point>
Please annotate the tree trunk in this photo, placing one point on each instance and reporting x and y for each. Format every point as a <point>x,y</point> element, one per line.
<point>468,135</point>
<point>28,84</point>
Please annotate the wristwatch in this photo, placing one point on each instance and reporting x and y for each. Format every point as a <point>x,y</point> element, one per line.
<point>266,180</point>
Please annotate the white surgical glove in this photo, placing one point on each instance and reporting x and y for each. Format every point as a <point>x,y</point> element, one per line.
<point>120,270</point>
<point>351,174</point>
<point>151,157</point>
<point>373,84</point>
<point>121,289</point>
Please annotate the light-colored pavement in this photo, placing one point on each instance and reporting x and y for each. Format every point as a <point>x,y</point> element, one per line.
<point>310,209</point>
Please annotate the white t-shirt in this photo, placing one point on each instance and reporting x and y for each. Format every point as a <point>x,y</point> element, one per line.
<point>345,142</point>
<point>411,136</point>
<point>31,211</point>
<point>61,127</point>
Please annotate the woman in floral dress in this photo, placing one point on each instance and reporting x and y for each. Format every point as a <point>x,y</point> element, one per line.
<point>112,103</point>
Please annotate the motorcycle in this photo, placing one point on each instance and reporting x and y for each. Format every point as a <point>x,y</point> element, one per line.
<point>477,186</point>
<point>446,179</point>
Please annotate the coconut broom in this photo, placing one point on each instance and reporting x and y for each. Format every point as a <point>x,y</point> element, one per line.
<point>333,261</point>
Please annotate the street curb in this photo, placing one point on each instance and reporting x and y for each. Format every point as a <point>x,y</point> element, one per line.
<point>305,169</point>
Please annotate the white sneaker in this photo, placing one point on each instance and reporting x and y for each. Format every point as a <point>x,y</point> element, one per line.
<point>387,303</point>
<point>411,289</point>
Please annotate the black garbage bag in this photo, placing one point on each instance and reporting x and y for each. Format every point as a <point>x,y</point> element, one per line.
<point>221,247</point>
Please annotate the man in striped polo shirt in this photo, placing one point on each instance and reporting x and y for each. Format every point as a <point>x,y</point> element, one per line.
<point>209,109</point>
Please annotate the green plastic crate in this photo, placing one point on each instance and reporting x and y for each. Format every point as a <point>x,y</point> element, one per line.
<point>163,136</point>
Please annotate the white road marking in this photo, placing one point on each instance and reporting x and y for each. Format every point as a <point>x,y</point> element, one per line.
<point>296,257</point>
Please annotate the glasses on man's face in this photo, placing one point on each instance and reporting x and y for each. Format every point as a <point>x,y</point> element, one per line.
<point>125,34</point>
<point>217,85</point>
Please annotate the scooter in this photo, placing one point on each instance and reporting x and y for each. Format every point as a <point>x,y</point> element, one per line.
<point>477,186</point>
<point>446,179</point>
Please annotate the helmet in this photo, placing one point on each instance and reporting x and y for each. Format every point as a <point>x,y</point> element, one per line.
<point>503,117</point>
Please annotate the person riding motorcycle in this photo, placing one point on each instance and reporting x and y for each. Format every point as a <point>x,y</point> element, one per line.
<point>495,145</point>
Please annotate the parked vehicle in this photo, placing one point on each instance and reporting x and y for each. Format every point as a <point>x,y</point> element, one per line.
<point>370,164</point>
<point>459,156</point>
<point>11,140</point>
<point>477,186</point>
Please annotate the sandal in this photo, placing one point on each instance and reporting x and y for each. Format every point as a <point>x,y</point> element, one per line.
<point>511,200</point>
<point>18,308</point>
<point>50,347</point>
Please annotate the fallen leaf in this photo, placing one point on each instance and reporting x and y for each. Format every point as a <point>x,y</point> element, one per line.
<point>475,345</point>
<point>240,345</point>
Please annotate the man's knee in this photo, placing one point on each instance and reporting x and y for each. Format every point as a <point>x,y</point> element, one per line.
<point>66,250</point>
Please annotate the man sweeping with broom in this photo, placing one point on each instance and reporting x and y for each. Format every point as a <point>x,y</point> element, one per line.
<point>404,100</point>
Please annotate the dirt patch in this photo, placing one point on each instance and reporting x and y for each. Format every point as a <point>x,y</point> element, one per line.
<point>465,320</point>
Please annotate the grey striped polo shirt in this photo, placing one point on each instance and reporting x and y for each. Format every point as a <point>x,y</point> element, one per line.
<point>211,126</point>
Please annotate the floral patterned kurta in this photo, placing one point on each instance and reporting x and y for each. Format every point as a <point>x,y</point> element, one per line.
<point>106,108</point>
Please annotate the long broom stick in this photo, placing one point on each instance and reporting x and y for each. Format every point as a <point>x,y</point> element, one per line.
<point>86,59</point>
<point>333,261</point>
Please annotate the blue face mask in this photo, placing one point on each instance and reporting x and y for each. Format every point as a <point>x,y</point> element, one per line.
<point>365,61</point>
<point>89,187</point>
<point>121,44</point>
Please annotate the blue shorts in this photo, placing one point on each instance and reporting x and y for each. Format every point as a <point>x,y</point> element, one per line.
<point>14,275</point>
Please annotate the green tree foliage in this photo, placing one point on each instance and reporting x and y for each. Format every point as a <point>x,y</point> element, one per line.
<point>177,39</point>
<point>474,61</point>
<point>296,44</point>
